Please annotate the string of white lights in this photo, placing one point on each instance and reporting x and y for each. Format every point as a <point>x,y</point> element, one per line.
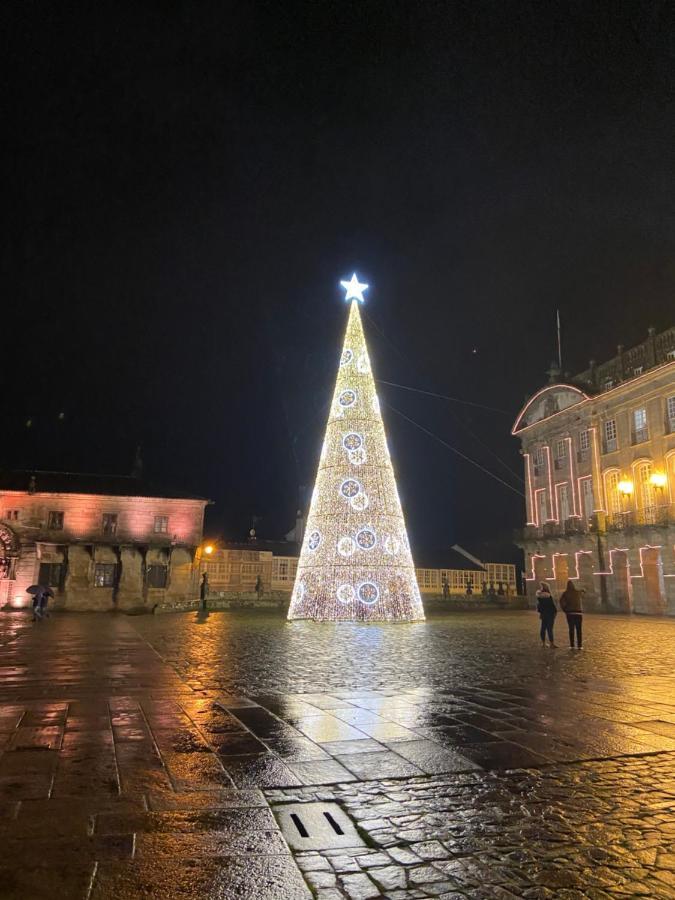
<point>355,562</point>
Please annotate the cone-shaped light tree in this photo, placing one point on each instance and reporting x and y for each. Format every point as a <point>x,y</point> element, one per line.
<point>355,562</point>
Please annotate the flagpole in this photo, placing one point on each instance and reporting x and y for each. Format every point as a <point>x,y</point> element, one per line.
<point>557,314</point>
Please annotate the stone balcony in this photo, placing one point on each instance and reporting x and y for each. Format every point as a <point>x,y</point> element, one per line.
<point>661,516</point>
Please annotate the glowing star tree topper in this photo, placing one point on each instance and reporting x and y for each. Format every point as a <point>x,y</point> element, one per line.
<point>354,289</point>
<point>355,562</point>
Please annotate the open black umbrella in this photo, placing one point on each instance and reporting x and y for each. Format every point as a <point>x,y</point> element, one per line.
<point>38,589</point>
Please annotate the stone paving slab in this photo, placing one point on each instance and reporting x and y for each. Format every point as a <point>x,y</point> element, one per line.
<point>139,756</point>
<point>112,782</point>
<point>599,829</point>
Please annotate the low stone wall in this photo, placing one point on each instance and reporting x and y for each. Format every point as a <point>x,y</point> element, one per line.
<point>457,603</point>
<point>272,600</point>
<point>278,601</point>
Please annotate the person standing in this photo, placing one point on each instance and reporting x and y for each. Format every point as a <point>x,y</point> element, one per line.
<point>204,590</point>
<point>547,612</point>
<point>570,602</point>
<point>446,587</point>
<point>41,602</point>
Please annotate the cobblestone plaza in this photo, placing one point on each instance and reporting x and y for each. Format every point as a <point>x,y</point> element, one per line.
<point>155,756</point>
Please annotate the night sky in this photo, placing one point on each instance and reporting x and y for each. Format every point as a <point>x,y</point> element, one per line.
<point>187,183</point>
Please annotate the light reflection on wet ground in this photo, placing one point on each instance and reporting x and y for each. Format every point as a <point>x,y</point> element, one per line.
<point>133,753</point>
<point>454,692</point>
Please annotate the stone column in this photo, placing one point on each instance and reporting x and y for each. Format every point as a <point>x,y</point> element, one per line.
<point>588,581</point>
<point>130,585</point>
<point>622,594</point>
<point>652,572</point>
<point>529,511</point>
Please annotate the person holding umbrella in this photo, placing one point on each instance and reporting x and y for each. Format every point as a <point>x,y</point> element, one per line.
<point>41,595</point>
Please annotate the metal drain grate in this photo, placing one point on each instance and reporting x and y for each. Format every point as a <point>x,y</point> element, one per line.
<point>316,826</point>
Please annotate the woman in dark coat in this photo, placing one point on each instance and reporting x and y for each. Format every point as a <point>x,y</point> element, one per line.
<point>547,612</point>
<point>570,602</point>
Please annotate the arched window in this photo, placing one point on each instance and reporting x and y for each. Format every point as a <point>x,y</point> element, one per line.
<point>612,479</point>
<point>646,492</point>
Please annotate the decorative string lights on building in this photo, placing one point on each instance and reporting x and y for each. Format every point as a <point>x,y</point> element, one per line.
<point>355,562</point>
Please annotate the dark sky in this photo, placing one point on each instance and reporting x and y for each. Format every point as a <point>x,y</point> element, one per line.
<point>186,183</point>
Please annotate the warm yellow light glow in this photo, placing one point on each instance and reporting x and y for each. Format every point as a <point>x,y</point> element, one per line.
<point>355,562</point>
<point>208,549</point>
<point>625,486</point>
<point>658,479</point>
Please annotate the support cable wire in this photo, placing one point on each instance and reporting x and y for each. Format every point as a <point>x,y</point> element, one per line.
<point>455,450</point>
<point>473,434</point>
<point>460,421</point>
<point>405,387</point>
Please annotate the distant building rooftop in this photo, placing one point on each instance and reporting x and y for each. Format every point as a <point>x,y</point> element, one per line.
<point>277,548</point>
<point>39,482</point>
<point>656,350</point>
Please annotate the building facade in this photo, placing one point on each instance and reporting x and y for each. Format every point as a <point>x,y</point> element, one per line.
<point>599,459</point>
<point>233,570</point>
<point>99,542</point>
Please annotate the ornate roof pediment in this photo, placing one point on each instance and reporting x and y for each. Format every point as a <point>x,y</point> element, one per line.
<point>552,399</point>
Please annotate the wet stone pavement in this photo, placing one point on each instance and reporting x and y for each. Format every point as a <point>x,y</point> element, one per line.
<point>157,756</point>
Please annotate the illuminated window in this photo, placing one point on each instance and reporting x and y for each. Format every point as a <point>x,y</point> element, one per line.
<point>283,569</point>
<point>55,521</point>
<point>157,576</point>
<point>538,459</point>
<point>564,502</point>
<point>646,491</point>
<point>586,485</point>
<point>670,413</point>
<point>104,574</point>
<point>425,578</point>
<point>161,524</point>
<point>640,430</point>
<point>610,436</point>
<point>613,495</point>
<point>109,523</point>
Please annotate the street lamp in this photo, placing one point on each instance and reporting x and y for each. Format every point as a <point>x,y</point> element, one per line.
<point>658,479</point>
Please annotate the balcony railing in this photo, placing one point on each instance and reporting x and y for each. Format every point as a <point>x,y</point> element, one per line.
<point>651,516</point>
<point>640,435</point>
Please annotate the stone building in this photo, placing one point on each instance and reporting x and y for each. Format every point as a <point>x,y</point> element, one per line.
<point>599,458</point>
<point>99,542</point>
<point>234,568</point>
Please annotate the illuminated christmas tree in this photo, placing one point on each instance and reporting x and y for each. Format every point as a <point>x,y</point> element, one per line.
<point>355,562</point>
